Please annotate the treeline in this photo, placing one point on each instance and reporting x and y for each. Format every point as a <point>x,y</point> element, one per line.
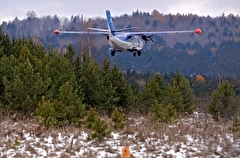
<point>216,29</point>
<point>56,90</point>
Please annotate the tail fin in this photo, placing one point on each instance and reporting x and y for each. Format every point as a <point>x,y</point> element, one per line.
<point>110,23</point>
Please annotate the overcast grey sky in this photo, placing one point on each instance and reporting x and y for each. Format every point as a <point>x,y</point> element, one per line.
<point>9,9</point>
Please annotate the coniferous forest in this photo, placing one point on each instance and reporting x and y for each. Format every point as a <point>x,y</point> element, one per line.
<point>60,84</point>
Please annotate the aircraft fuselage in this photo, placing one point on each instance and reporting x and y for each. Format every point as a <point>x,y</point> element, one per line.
<point>122,42</point>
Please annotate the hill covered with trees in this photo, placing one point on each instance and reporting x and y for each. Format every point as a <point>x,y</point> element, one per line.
<point>213,53</point>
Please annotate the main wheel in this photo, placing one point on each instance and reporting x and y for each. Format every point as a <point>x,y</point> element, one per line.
<point>113,53</point>
<point>139,53</point>
<point>134,54</point>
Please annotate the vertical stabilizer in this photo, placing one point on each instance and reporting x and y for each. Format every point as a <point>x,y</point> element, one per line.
<point>111,28</point>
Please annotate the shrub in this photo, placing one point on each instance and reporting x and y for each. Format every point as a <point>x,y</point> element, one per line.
<point>99,127</point>
<point>222,102</point>
<point>46,114</point>
<point>118,120</point>
<point>159,113</point>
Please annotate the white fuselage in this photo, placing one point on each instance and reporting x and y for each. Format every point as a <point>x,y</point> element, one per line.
<point>122,41</point>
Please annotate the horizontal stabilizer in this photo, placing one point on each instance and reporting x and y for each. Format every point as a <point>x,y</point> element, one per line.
<point>97,29</point>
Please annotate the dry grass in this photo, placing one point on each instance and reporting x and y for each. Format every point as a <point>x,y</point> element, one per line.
<point>197,135</point>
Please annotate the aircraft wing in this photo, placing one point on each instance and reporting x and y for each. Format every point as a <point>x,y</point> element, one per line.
<point>197,31</point>
<point>97,29</point>
<point>81,32</point>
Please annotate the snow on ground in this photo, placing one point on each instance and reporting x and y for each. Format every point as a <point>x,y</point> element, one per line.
<point>197,136</point>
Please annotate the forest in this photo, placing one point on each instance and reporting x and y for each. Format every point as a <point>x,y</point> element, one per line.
<point>51,87</point>
<point>214,53</point>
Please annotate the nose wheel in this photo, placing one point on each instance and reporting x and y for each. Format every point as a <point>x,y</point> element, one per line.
<point>113,52</point>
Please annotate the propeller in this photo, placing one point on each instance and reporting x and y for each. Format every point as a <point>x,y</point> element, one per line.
<point>147,38</point>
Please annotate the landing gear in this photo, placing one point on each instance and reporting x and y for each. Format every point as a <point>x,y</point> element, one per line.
<point>113,52</point>
<point>138,52</point>
<point>134,54</point>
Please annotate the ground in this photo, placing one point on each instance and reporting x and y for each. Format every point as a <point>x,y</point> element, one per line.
<point>193,136</point>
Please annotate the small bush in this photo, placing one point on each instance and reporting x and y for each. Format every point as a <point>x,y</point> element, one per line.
<point>235,124</point>
<point>46,114</point>
<point>118,120</point>
<point>98,126</point>
<point>159,113</point>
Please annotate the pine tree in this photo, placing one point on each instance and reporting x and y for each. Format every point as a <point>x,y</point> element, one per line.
<point>153,90</point>
<point>90,118</point>
<point>235,124</point>
<point>46,114</point>
<point>99,127</point>
<point>222,104</point>
<point>74,107</point>
<point>7,65</point>
<point>23,91</point>
<point>122,90</point>
<point>117,92</point>
<point>161,113</point>
<point>180,95</point>
<point>70,52</point>
<point>60,71</point>
<point>88,81</point>
<point>68,107</point>
<point>118,120</point>
<point>100,130</point>
<point>109,96</point>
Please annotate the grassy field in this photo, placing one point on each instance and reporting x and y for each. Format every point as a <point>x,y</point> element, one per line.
<point>194,136</point>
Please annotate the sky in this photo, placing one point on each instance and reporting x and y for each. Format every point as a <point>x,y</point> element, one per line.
<point>10,9</point>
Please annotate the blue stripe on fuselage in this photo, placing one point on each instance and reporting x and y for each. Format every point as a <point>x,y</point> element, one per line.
<point>110,22</point>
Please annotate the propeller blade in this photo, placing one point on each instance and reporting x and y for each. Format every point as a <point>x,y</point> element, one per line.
<point>151,39</point>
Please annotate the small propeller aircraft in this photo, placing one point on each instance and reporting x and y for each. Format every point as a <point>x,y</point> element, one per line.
<point>122,39</point>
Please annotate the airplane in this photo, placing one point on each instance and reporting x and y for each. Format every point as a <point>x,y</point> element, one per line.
<point>121,40</point>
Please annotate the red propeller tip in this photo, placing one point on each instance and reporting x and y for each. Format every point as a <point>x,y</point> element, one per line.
<point>56,31</point>
<point>198,31</point>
